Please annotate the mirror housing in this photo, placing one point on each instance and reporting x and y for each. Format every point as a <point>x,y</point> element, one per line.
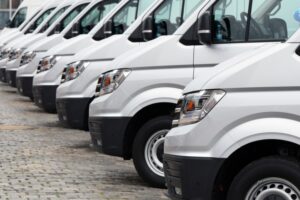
<point>147,29</point>
<point>108,28</point>
<point>57,28</point>
<point>204,29</point>
<point>75,29</point>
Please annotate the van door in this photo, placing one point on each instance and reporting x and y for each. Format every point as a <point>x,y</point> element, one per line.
<point>242,25</point>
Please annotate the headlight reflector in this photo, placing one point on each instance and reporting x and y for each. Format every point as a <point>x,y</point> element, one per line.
<point>27,57</point>
<point>5,53</point>
<point>110,81</point>
<point>73,70</point>
<point>47,63</point>
<point>15,53</point>
<point>192,108</point>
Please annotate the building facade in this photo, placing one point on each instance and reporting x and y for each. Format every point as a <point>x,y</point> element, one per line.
<point>7,9</point>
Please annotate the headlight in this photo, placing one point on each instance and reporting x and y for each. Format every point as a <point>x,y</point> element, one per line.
<point>73,70</point>
<point>27,57</point>
<point>193,107</point>
<point>15,53</point>
<point>47,63</point>
<point>5,53</point>
<point>110,81</point>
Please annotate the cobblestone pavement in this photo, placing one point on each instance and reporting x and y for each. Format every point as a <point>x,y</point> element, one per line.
<point>41,159</point>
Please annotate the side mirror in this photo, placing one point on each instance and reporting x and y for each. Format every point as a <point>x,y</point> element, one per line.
<point>75,29</point>
<point>148,29</point>
<point>108,28</point>
<point>57,28</point>
<point>204,29</point>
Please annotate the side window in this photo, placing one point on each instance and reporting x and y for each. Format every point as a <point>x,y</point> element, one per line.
<point>65,22</point>
<point>39,20</point>
<point>19,18</point>
<point>254,20</point>
<point>273,20</point>
<point>229,22</point>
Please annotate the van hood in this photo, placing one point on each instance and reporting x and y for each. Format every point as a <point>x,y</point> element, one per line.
<point>26,41</point>
<point>101,50</point>
<point>139,56</point>
<point>71,46</point>
<point>267,68</point>
<point>46,43</point>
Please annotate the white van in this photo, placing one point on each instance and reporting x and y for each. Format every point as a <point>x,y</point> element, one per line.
<point>27,26</point>
<point>139,90</point>
<point>98,51</point>
<point>54,34</point>
<point>237,131</point>
<point>26,10</point>
<point>76,37</point>
<point>44,18</point>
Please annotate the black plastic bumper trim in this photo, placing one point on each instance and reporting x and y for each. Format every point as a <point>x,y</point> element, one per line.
<point>110,131</point>
<point>195,177</point>
<point>24,85</point>
<point>74,112</point>
<point>11,77</point>
<point>45,96</point>
<point>3,75</point>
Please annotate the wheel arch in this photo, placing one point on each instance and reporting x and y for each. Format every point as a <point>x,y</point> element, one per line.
<point>141,117</point>
<point>245,155</point>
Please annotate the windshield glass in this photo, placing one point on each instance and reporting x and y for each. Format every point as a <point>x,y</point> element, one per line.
<point>65,22</point>
<point>171,14</point>
<point>19,18</point>
<point>39,20</point>
<point>95,14</point>
<point>128,14</point>
<point>53,19</point>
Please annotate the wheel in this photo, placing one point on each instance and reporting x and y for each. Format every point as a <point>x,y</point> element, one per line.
<point>148,150</point>
<point>272,178</point>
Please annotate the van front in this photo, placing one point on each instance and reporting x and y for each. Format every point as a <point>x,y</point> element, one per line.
<point>136,96</point>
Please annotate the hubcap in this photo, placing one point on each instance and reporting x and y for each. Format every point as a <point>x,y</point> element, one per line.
<point>273,189</point>
<point>154,150</point>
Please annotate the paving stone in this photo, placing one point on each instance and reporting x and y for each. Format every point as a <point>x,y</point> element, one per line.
<point>42,159</point>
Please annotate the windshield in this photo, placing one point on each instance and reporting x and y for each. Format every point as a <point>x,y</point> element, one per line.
<point>171,14</point>
<point>39,20</point>
<point>67,19</point>
<point>19,18</point>
<point>269,20</point>
<point>128,14</point>
<point>54,18</point>
<point>95,14</point>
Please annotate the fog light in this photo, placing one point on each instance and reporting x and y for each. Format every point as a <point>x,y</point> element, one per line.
<point>178,191</point>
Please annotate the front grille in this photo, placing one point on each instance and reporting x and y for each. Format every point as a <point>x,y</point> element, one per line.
<point>172,170</point>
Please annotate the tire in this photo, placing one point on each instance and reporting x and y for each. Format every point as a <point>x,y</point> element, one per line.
<point>150,137</point>
<point>268,178</point>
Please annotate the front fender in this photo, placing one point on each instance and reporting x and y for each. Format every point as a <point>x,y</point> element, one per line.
<point>150,97</point>
<point>282,129</point>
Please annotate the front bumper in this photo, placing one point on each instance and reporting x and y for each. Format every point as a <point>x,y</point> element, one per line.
<point>11,76</point>
<point>24,85</point>
<point>3,75</point>
<point>110,132</point>
<point>191,178</point>
<point>74,112</point>
<point>45,96</point>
